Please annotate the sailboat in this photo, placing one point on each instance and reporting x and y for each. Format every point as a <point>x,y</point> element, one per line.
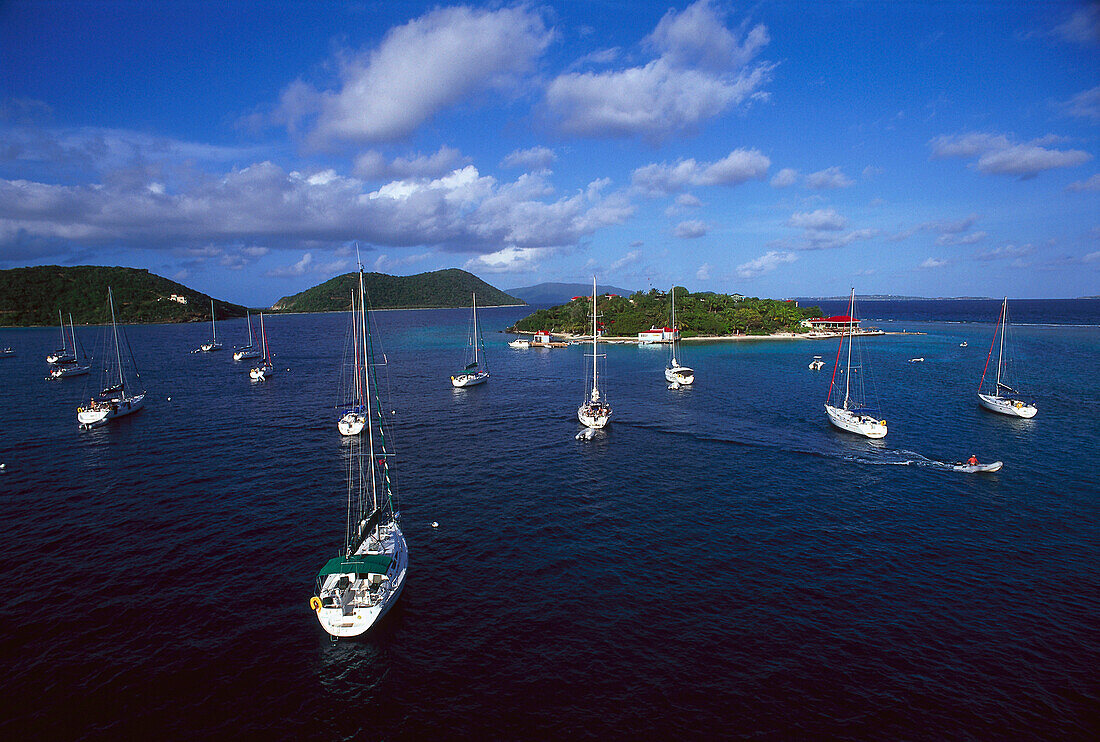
<point>675,373</point>
<point>852,415</point>
<point>74,367</point>
<point>246,351</point>
<point>117,398</point>
<point>1004,399</point>
<point>265,369</point>
<point>354,418</point>
<point>358,587</point>
<point>213,344</point>
<point>594,412</point>
<point>64,354</point>
<point>473,374</point>
<point>817,364</point>
<point>7,352</point>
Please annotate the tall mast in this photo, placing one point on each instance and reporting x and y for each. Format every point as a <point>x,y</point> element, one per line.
<point>72,332</point>
<point>263,338</point>
<point>248,319</point>
<point>114,327</point>
<point>595,388</point>
<point>848,373</point>
<point>1001,348</point>
<point>64,343</point>
<point>355,351</point>
<point>366,386</point>
<point>213,326</point>
<point>474,339</point>
<point>674,322</point>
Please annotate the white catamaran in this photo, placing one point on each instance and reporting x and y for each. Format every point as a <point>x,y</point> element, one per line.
<point>117,398</point>
<point>246,351</point>
<point>595,411</point>
<point>476,370</point>
<point>213,344</point>
<point>64,354</point>
<point>676,373</point>
<point>265,369</point>
<point>74,367</point>
<point>358,587</point>
<point>1004,399</point>
<point>354,419</point>
<point>852,413</point>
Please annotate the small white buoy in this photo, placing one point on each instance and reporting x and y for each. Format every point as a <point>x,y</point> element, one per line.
<point>169,399</point>
<point>435,524</point>
<point>3,466</point>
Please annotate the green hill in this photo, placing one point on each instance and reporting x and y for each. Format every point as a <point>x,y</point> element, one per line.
<point>701,314</point>
<point>446,288</point>
<point>32,296</point>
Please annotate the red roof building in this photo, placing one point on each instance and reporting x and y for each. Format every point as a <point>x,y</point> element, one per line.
<point>839,322</point>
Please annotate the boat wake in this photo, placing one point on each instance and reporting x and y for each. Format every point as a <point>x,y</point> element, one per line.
<point>868,453</point>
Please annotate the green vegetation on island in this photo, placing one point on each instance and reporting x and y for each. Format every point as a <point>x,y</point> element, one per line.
<point>33,296</point>
<point>437,289</point>
<point>697,315</point>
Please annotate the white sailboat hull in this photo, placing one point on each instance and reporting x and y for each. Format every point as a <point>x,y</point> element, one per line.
<point>351,423</point>
<point>460,381</point>
<point>681,375</point>
<point>210,347</point>
<point>864,425</point>
<point>354,609</point>
<point>245,353</point>
<point>63,371</point>
<point>594,416</point>
<point>60,357</point>
<point>816,365</point>
<point>108,410</point>
<point>261,373</point>
<point>1007,406</point>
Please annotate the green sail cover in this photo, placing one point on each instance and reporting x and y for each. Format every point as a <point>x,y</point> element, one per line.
<point>360,564</point>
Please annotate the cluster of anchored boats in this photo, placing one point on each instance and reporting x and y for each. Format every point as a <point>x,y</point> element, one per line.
<point>122,393</point>
<point>358,586</point>
<point>853,415</point>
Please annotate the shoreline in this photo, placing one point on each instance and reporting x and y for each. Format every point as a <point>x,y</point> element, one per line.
<point>623,340</point>
<point>268,313</point>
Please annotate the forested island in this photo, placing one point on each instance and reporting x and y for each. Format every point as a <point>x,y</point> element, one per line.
<point>33,296</point>
<point>697,315</point>
<point>436,289</point>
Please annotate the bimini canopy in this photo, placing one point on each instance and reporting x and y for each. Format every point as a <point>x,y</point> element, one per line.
<point>360,564</point>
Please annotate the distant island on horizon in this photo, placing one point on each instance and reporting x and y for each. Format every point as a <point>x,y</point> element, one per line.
<point>442,289</point>
<point>33,296</point>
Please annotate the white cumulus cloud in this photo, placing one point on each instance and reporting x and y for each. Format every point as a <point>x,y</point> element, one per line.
<point>739,166</point>
<point>766,263</point>
<point>535,158</point>
<point>820,219</point>
<point>997,154</point>
<point>419,69</point>
<point>691,229</point>
<point>702,69</point>
<point>832,177</point>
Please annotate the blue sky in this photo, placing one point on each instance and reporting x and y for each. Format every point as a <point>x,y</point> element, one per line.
<point>774,149</point>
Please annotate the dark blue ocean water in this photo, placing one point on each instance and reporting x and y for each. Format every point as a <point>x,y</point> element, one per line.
<point>718,563</point>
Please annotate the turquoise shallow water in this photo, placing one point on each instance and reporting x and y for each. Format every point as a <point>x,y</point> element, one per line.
<point>719,562</point>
